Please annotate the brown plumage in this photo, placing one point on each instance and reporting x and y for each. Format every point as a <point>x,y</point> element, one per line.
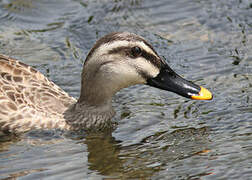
<point>28,99</point>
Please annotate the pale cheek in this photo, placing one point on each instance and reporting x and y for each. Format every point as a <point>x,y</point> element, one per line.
<point>123,75</point>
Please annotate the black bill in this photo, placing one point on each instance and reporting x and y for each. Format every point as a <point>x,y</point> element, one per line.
<point>168,80</point>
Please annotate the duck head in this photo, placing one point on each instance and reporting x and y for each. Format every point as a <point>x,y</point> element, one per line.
<point>122,59</point>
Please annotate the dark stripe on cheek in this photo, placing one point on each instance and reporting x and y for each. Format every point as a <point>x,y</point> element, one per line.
<point>148,56</point>
<point>144,74</point>
<point>152,59</point>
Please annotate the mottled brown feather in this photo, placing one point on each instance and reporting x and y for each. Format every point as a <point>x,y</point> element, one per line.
<point>27,98</point>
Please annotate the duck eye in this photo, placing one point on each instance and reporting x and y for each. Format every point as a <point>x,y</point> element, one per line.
<point>136,51</point>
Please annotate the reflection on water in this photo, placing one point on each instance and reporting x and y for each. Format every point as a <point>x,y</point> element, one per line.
<point>105,155</point>
<point>159,135</point>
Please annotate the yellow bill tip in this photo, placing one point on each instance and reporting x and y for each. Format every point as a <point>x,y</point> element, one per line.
<point>204,94</point>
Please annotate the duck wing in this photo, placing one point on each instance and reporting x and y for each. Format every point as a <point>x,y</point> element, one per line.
<point>28,99</point>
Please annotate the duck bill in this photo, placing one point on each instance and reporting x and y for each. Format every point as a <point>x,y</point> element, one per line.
<point>168,80</point>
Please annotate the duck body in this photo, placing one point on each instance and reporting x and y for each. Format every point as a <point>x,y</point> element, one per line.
<point>29,100</point>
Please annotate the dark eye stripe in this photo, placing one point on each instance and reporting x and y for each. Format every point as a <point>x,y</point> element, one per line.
<point>148,56</point>
<point>119,50</point>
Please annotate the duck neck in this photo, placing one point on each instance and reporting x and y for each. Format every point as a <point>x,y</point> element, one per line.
<point>97,87</point>
<point>93,110</point>
<point>82,115</point>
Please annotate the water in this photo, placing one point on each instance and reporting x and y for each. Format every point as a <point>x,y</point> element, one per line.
<point>159,135</point>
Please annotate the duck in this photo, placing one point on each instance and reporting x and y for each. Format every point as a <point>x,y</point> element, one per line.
<point>29,100</point>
